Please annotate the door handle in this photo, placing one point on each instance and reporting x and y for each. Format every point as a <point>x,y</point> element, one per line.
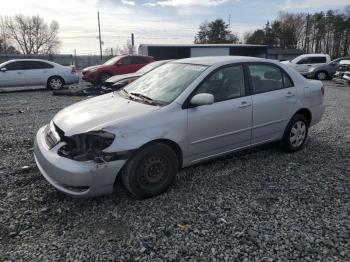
<point>290,94</point>
<point>244,104</point>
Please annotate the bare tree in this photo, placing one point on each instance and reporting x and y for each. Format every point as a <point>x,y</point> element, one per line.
<point>33,35</point>
<point>127,49</point>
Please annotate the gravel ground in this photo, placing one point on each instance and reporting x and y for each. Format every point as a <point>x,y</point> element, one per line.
<point>259,204</point>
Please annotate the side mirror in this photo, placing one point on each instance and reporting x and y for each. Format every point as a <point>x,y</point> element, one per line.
<point>4,69</point>
<point>202,99</point>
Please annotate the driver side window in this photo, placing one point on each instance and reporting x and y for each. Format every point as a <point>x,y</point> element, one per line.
<point>224,84</point>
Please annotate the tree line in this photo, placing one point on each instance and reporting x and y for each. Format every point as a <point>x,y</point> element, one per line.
<point>321,32</point>
<point>28,35</point>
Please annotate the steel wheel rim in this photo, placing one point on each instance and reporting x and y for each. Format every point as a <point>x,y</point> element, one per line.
<point>297,134</point>
<point>321,76</point>
<point>55,83</point>
<point>153,171</point>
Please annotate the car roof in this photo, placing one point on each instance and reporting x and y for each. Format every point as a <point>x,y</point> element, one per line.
<point>212,60</point>
<point>308,55</point>
<point>29,59</point>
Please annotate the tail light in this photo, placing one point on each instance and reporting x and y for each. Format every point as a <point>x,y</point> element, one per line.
<point>322,90</point>
<point>73,70</point>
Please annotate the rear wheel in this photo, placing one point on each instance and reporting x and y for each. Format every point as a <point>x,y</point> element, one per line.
<point>55,83</point>
<point>322,75</point>
<point>295,134</point>
<point>151,171</point>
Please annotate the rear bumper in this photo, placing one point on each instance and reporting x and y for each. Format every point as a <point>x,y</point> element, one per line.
<point>317,113</point>
<point>72,79</point>
<point>75,178</point>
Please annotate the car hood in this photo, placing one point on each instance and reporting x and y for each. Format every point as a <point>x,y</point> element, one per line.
<point>90,68</point>
<point>117,78</point>
<point>99,112</point>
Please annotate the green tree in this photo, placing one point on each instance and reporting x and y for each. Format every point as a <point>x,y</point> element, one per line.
<point>215,32</point>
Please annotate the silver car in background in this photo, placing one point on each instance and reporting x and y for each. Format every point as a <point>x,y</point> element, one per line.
<point>36,72</point>
<point>182,113</point>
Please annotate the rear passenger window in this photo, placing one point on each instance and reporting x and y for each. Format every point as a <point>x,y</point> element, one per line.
<point>31,65</point>
<point>287,81</point>
<point>318,60</point>
<point>224,84</point>
<point>265,78</point>
<point>139,60</point>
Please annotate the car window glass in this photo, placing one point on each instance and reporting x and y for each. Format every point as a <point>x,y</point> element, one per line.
<point>126,61</point>
<point>287,81</point>
<point>139,60</point>
<point>14,66</point>
<point>31,65</point>
<point>304,61</point>
<point>224,84</point>
<point>265,78</point>
<point>318,60</point>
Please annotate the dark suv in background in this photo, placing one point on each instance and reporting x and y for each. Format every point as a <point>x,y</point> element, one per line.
<point>118,65</point>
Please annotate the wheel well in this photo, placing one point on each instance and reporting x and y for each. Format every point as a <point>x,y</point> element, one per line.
<point>323,71</point>
<point>305,112</point>
<point>174,146</point>
<point>55,76</point>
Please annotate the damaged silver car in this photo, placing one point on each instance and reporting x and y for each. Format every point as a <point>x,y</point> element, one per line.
<point>180,114</point>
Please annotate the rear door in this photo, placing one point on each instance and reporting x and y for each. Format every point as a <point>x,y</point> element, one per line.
<point>225,125</point>
<point>139,62</point>
<point>274,101</point>
<point>125,66</point>
<point>37,72</point>
<point>12,74</point>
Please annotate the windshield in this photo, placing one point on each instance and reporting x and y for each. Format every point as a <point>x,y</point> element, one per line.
<point>167,82</point>
<point>112,61</point>
<point>150,67</point>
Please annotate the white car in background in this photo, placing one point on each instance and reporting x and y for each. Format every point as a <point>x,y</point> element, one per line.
<point>303,63</point>
<point>36,72</point>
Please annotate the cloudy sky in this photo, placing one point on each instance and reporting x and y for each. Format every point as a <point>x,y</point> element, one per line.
<point>153,21</point>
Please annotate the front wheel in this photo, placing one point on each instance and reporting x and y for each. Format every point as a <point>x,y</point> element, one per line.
<point>55,83</point>
<point>321,75</point>
<point>295,134</point>
<point>151,171</point>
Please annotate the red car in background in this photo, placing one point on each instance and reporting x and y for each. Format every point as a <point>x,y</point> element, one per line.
<point>118,65</point>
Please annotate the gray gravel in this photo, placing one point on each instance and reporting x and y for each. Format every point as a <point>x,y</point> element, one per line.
<point>260,204</point>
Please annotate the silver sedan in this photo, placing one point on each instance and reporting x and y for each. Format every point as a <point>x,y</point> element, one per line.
<point>180,114</point>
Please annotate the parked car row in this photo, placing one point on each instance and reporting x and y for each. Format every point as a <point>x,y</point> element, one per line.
<point>318,66</point>
<point>32,72</point>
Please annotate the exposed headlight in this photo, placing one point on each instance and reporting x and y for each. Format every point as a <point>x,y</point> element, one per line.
<point>311,69</point>
<point>87,146</point>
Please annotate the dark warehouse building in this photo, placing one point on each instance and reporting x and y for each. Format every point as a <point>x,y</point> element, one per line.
<point>168,51</point>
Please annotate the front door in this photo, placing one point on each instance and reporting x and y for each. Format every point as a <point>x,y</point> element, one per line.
<point>274,102</point>
<point>225,125</point>
<point>12,74</point>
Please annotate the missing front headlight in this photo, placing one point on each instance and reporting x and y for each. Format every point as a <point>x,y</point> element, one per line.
<point>87,146</point>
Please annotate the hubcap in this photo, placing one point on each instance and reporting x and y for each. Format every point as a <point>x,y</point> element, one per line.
<point>153,171</point>
<point>297,134</point>
<point>55,83</point>
<point>321,76</point>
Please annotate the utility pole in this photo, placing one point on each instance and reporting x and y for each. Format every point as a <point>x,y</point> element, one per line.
<point>75,58</point>
<point>132,43</point>
<point>229,21</point>
<point>99,34</point>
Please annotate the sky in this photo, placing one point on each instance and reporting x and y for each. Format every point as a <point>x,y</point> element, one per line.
<point>153,21</point>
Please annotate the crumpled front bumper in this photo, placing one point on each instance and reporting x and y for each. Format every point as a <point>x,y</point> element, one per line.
<point>75,178</point>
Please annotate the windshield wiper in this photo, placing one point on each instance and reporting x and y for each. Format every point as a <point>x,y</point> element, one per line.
<point>146,98</point>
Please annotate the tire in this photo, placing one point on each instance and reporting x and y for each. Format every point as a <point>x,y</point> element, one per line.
<point>151,171</point>
<point>103,77</point>
<point>321,75</point>
<point>295,134</point>
<point>55,83</point>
